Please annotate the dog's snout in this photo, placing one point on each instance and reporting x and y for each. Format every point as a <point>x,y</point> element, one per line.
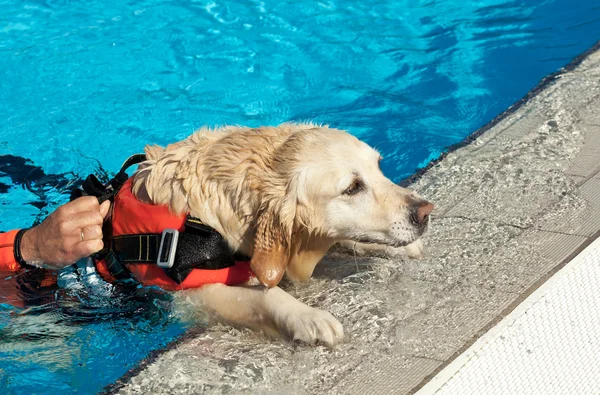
<point>420,212</point>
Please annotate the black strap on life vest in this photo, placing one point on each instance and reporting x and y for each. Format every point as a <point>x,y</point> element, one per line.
<point>198,247</point>
<point>92,186</point>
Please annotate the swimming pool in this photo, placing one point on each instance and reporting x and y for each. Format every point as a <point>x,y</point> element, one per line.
<point>84,85</point>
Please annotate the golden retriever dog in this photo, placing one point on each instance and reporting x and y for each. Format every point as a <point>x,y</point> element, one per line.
<point>284,196</point>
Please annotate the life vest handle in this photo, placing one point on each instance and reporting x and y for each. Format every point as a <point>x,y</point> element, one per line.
<point>92,186</point>
<point>132,160</point>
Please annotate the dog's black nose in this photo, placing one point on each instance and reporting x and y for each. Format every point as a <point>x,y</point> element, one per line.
<point>420,212</point>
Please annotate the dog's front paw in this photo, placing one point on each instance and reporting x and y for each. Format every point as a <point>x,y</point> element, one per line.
<point>311,325</point>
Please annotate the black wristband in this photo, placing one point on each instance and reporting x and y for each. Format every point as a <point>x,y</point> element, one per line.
<point>17,248</point>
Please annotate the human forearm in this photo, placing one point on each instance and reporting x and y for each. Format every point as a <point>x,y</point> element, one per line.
<point>70,233</point>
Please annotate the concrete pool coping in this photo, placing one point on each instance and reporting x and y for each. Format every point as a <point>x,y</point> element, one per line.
<point>516,201</point>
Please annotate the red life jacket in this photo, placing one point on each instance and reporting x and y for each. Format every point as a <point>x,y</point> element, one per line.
<point>131,217</point>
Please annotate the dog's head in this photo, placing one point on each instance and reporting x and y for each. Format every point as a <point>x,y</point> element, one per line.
<point>327,184</point>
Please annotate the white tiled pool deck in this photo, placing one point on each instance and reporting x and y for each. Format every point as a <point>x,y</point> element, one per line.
<point>547,345</point>
<point>513,207</point>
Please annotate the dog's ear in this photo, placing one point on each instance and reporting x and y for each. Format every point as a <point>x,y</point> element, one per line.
<point>276,220</point>
<point>271,249</point>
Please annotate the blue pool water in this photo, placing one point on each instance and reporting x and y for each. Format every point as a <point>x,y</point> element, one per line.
<point>85,84</point>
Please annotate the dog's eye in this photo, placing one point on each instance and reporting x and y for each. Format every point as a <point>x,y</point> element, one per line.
<point>354,188</point>
<point>379,162</point>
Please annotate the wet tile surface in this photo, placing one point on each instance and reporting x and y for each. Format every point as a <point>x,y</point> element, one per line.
<point>587,162</point>
<point>385,373</point>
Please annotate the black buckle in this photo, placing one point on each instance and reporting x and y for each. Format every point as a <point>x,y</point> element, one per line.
<point>168,248</point>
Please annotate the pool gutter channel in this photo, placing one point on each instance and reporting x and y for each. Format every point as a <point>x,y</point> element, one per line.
<point>555,120</point>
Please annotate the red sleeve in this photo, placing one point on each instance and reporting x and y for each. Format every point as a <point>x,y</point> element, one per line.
<point>7,256</point>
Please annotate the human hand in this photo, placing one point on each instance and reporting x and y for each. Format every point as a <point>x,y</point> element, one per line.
<point>70,233</point>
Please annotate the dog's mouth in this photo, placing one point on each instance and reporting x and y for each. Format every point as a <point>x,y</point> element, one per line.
<point>393,242</point>
<point>401,243</point>
<point>390,243</point>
